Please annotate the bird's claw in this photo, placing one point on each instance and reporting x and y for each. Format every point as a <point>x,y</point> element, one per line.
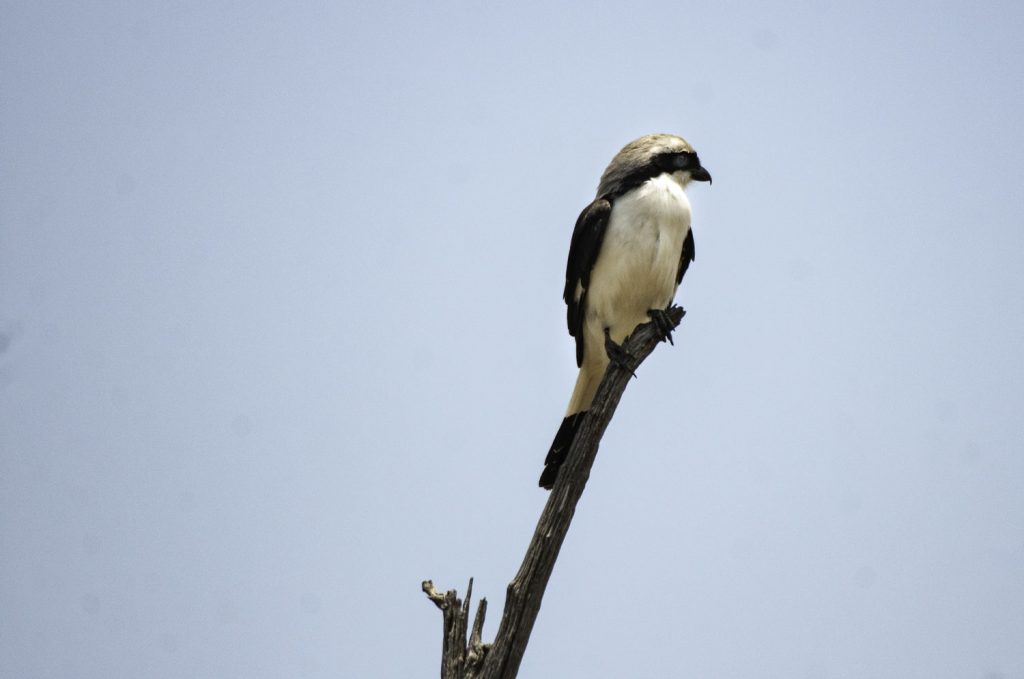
<point>663,322</point>
<point>616,354</point>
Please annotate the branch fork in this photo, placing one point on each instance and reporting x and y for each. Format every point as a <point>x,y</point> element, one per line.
<point>472,659</point>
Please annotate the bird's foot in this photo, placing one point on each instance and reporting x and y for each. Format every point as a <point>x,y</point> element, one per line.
<point>616,354</point>
<point>663,322</point>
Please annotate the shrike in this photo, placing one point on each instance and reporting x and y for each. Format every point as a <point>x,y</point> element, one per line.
<point>628,254</point>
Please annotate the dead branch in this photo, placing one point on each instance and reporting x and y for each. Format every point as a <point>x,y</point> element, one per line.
<point>472,659</point>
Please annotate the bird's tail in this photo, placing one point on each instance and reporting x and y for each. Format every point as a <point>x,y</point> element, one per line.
<point>559,449</point>
<point>582,396</point>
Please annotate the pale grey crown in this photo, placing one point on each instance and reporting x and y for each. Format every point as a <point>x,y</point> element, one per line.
<point>636,156</point>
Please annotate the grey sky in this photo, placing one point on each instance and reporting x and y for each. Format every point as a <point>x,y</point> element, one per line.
<point>281,336</point>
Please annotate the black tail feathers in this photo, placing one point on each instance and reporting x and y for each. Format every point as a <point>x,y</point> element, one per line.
<point>559,449</point>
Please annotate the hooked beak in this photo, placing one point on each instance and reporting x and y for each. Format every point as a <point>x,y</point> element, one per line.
<point>699,174</point>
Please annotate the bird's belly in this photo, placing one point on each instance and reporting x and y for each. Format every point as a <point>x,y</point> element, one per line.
<point>636,271</point>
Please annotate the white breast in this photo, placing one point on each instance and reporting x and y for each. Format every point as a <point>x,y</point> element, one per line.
<point>639,260</point>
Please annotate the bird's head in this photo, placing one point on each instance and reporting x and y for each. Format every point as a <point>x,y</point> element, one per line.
<point>648,157</point>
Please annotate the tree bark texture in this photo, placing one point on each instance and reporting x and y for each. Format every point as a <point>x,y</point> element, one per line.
<point>472,659</point>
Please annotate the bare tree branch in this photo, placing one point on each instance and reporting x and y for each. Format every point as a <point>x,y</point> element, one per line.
<point>501,659</point>
<point>458,660</point>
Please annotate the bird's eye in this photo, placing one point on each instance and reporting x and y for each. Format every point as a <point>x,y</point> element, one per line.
<point>667,161</point>
<point>670,162</point>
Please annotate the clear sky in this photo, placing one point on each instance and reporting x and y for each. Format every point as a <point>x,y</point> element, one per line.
<point>281,336</point>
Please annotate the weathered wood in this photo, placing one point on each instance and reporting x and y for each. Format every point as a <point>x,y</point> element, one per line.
<point>458,660</point>
<point>501,659</point>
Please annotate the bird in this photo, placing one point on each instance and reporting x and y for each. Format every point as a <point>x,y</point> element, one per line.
<point>629,251</point>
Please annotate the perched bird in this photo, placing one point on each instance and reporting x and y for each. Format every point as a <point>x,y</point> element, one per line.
<point>628,254</point>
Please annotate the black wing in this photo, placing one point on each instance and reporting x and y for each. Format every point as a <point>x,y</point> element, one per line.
<point>586,244</point>
<point>686,257</point>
